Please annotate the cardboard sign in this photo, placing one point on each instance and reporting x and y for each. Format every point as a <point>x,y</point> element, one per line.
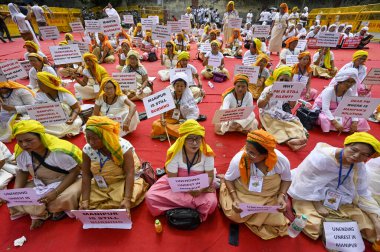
<point>249,209</point>
<point>328,39</point>
<point>147,23</point>
<point>261,31</point>
<point>2,77</point>
<point>158,103</point>
<point>83,47</point>
<point>65,54</point>
<point>287,91</point>
<point>214,60</point>
<point>47,113</point>
<point>126,80</point>
<point>372,78</point>
<point>20,197</point>
<point>301,45</point>
<point>185,24</point>
<point>343,236</point>
<point>351,42</point>
<point>161,33</point>
<point>113,218</point>
<point>226,115</point>
<point>249,60</point>
<point>13,70</point>
<point>251,71</point>
<point>291,60</point>
<point>137,41</point>
<point>205,47</point>
<point>93,25</point>
<point>174,26</point>
<point>235,23</point>
<point>188,184</point>
<point>312,43</point>
<point>110,26</point>
<point>128,19</point>
<point>187,71</point>
<point>76,27</point>
<point>49,32</point>
<point>358,107</point>
<point>156,19</point>
<point>26,65</point>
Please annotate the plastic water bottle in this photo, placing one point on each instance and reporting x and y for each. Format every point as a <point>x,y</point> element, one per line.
<point>158,226</point>
<point>297,225</point>
<point>79,97</point>
<point>210,84</point>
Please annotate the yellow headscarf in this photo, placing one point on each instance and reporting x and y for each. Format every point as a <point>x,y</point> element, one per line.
<point>31,44</point>
<point>136,30</point>
<point>52,82</point>
<point>215,42</point>
<point>287,70</point>
<point>50,142</point>
<point>258,44</point>
<point>267,141</point>
<point>107,130</point>
<point>135,54</point>
<point>99,71</point>
<point>69,35</point>
<point>206,29</point>
<point>358,54</point>
<point>148,35</point>
<point>188,9</point>
<point>364,137</point>
<point>300,56</point>
<point>182,56</point>
<point>189,127</point>
<point>36,55</point>
<point>260,58</point>
<point>230,3</point>
<point>173,46</point>
<point>327,60</point>
<point>63,42</point>
<point>14,85</point>
<point>118,91</point>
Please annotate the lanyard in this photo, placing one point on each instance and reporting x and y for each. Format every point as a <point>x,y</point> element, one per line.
<point>6,97</point>
<point>109,105</point>
<point>301,74</point>
<point>102,162</point>
<point>237,102</point>
<point>341,168</point>
<point>189,163</point>
<point>177,101</point>
<point>53,99</point>
<point>38,166</point>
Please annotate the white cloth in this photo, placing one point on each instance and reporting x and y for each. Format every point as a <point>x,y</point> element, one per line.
<point>362,70</point>
<point>249,17</point>
<point>321,63</point>
<point>111,12</point>
<point>33,84</point>
<point>5,154</point>
<point>231,102</point>
<point>63,97</point>
<point>265,16</point>
<point>311,34</point>
<point>285,52</point>
<point>19,98</point>
<point>373,171</point>
<point>205,165</point>
<point>94,154</point>
<point>39,13</point>
<point>219,56</point>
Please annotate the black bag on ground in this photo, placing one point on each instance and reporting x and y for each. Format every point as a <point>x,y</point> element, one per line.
<point>183,218</point>
<point>152,57</point>
<point>307,117</point>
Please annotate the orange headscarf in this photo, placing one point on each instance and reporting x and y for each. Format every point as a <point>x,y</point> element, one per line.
<point>126,41</point>
<point>124,34</point>
<point>290,40</point>
<point>14,85</point>
<point>237,78</point>
<point>106,42</point>
<point>232,38</point>
<point>284,5</point>
<point>300,56</point>
<point>267,141</point>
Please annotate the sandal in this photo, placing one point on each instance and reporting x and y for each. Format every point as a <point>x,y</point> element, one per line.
<point>201,118</point>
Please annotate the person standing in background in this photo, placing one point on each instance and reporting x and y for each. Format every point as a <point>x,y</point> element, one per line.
<point>39,13</point>
<point>249,17</point>
<point>229,14</point>
<point>4,28</point>
<point>111,12</point>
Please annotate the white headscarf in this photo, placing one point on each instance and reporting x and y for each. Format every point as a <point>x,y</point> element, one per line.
<point>306,8</point>
<point>333,25</point>
<point>345,74</point>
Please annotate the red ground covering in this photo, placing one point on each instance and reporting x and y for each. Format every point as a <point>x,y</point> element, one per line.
<point>68,235</point>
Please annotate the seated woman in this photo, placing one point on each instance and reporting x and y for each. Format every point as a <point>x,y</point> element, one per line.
<point>372,167</point>
<point>69,37</point>
<point>365,37</point>
<point>302,72</point>
<point>181,43</point>
<point>259,174</point>
<point>188,156</point>
<point>329,100</point>
<point>234,45</point>
<point>206,34</point>
<point>52,91</point>
<point>125,47</point>
<point>148,46</point>
<point>212,36</point>
<point>254,51</point>
<point>290,49</point>
<point>144,87</point>
<point>216,63</point>
<point>108,170</point>
<point>236,97</point>
<point>113,103</point>
<point>66,70</point>
<point>7,167</point>
<point>138,32</point>
<point>257,88</point>
<point>93,75</point>
<point>121,36</point>
<point>14,97</point>
<point>284,126</point>
<point>32,47</point>
<point>37,63</point>
<point>169,59</point>
<point>323,64</point>
<point>319,191</point>
<point>290,32</point>
<point>104,50</point>
<point>54,165</point>
<point>186,108</point>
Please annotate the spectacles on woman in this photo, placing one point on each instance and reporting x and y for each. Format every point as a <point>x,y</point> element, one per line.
<point>195,140</point>
<point>169,45</point>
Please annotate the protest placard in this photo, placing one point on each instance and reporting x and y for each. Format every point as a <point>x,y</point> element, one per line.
<point>214,60</point>
<point>20,197</point>
<point>185,24</point>
<point>93,26</point>
<point>249,209</point>
<point>291,60</point>
<point>205,47</point>
<point>128,19</point>
<point>137,41</point>
<point>2,76</point>
<point>312,43</point>
<point>83,47</point>
<point>113,218</point>
<point>235,23</point>
<point>147,23</point>
<point>110,26</point>
<point>161,33</point>
<point>13,70</point>
<point>372,78</point>
<point>249,60</point>
<point>226,115</point>
<point>251,71</point>
<point>156,19</point>
<point>328,39</point>
<point>261,31</point>
<point>351,42</point>
<point>287,91</point>
<point>187,71</point>
<point>355,106</point>
<point>66,54</point>
<point>343,236</point>
<point>301,45</point>
<point>158,103</point>
<point>126,80</point>
<point>26,65</point>
<point>190,183</point>
<point>76,27</point>
<point>174,26</point>
<point>49,32</point>
<point>47,113</point>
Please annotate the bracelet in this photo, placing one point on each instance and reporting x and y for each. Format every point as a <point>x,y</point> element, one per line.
<point>283,194</point>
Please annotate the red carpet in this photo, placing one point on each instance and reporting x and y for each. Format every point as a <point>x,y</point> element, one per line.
<point>68,235</point>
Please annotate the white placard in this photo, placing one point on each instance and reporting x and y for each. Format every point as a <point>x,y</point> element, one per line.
<point>158,103</point>
<point>113,218</point>
<point>137,41</point>
<point>66,54</point>
<point>287,91</point>
<point>161,33</point>
<point>13,70</point>
<point>26,65</point>
<point>251,71</point>
<point>301,45</point>
<point>156,19</point>
<point>205,47</point>
<point>47,113</point>
<point>214,60</point>
<point>328,39</point>
<point>190,183</point>
<point>355,106</point>
<point>147,23</point>
<point>372,78</point>
<point>93,25</point>
<point>185,24</point>
<point>174,26</point>
<point>83,47</point>
<point>128,19</point>
<point>249,60</point>
<point>126,80</point>
<point>110,26</point>
<point>249,209</point>
<point>2,77</point>
<point>49,32</point>
<point>226,115</point>
<point>187,71</point>
<point>343,236</point>
<point>261,31</point>
<point>291,60</point>
<point>118,119</point>
<point>76,27</point>
<point>20,197</point>
<point>235,23</point>
<point>184,17</point>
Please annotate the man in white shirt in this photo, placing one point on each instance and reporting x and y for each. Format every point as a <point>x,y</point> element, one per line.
<point>39,13</point>
<point>264,17</point>
<point>111,12</point>
<point>249,17</point>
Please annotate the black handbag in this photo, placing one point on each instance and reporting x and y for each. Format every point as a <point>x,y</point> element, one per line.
<point>152,57</point>
<point>183,218</point>
<point>308,117</point>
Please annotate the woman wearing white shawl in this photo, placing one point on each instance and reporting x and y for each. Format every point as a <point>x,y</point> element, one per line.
<point>332,183</point>
<point>373,170</point>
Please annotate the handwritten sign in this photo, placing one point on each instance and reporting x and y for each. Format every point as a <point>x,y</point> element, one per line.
<point>249,209</point>
<point>147,23</point>
<point>83,47</point>
<point>76,27</point>
<point>126,80</point>
<point>47,113</point>
<point>113,218</point>
<point>185,24</point>
<point>174,26</point>
<point>226,115</point>
<point>20,197</point>
<point>351,42</point>
<point>291,60</point>
<point>359,107</point>
<point>251,71</point>
<point>13,70</point>
<point>158,103</point>
<point>373,77</point>
<point>128,19</point>
<point>187,71</point>
<point>205,47</point>
<point>49,32</point>
<point>328,39</point>
<point>235,23</point>
<point>93,25</point>
<point>156,19</point>
<point>110,26</point>
<point>287,91</point>
<point>214,60</point>
<point>65,54</point>
<point>261,31</point>
<point>26,65</point>
<point>249,60</point>
<point>137,41</point>
<point>161,33</point>
<point>343,236</point>
<point>187,184</point>
<point>301,45</point>
<point>312,43</point>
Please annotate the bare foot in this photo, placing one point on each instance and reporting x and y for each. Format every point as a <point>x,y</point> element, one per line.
<point>36,224</point>
<point>321,209</point>
<point>70,135</point>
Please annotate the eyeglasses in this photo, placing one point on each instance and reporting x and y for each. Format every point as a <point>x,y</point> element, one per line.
<point>169,46</point>
<point>196,140</point>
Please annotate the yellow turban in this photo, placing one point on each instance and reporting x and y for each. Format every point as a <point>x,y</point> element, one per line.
<point>358,54</point>
<point>97,70</point>
<point>295,8</point>
<point>287,70</point>
<point>290,40</point>
<point>260,58</point>
<point>118,91</point>
<point>135,54</point>
<point>69,35</point>
<point>36,55</point>
<point>206,29</point>
<point>50,142</point>
<point>188,9</point>
<point>364,137</point>
<point>14,85</point>
<point>258,44</point>
<point>64,42</point>
<point>189,127</point>
<point>230,3</point>
<point>173,48</point>
<point>52,82</point>
<point>31,44</point>
<point>183,55</point>
<point>108,131</point>
<point>215,42</point>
